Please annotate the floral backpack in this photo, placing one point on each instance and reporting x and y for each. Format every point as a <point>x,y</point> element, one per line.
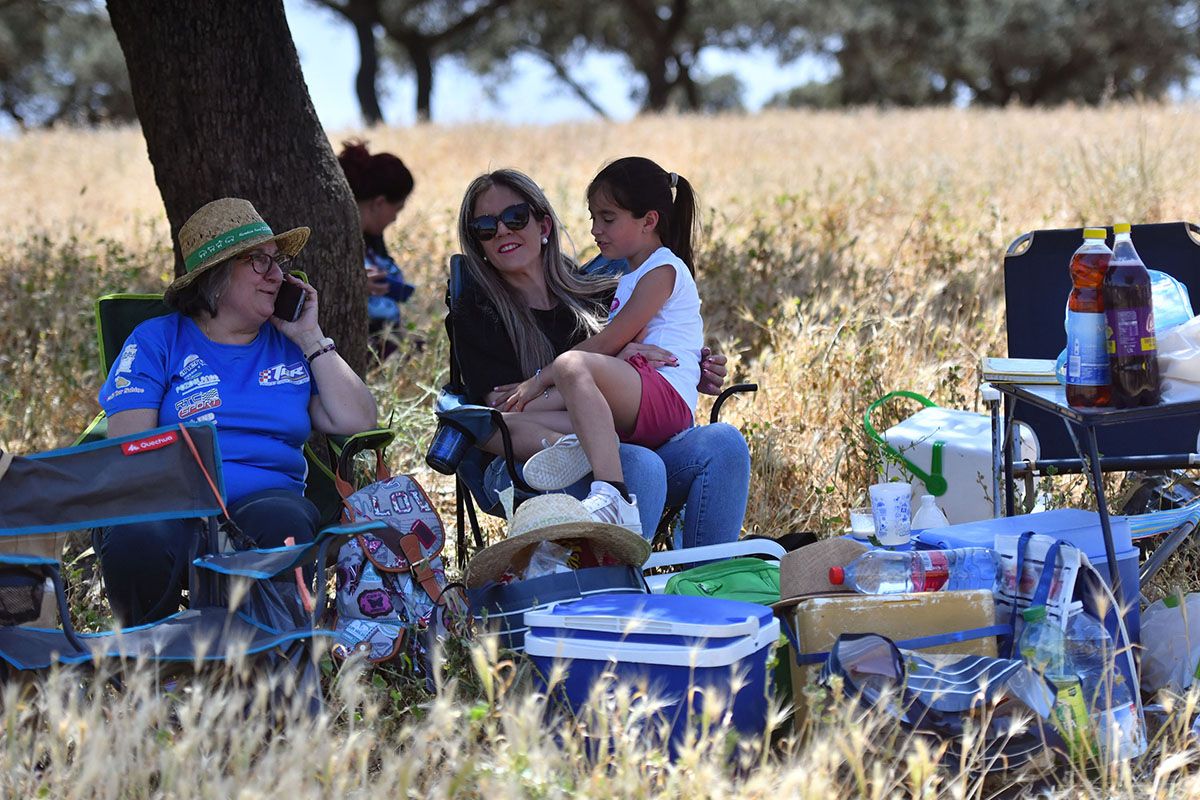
<point>392,595</point>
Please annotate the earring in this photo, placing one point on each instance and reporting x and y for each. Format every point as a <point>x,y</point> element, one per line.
<point>545,240</point>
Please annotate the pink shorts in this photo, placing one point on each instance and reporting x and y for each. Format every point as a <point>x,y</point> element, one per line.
<point>662,413</point>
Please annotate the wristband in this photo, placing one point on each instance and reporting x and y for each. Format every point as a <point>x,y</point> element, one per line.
<point>324,346</point>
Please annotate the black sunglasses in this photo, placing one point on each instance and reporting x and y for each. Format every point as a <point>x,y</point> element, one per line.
<point>514,218</point>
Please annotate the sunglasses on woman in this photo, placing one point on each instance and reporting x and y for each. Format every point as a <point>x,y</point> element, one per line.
<point>514,218</point>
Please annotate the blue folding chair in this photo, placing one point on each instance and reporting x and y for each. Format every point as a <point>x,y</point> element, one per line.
<point>164,473</point>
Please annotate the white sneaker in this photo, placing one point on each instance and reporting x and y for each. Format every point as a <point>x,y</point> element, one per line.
<point>607,505</point>
<point>557,466</point>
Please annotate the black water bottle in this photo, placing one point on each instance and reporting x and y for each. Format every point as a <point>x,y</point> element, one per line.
<point>450,443</point>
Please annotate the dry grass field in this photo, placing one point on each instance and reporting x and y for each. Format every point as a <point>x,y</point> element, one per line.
<point>844,255</point>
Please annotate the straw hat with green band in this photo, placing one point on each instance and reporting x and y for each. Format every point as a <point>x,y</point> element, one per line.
<point>223,229</point>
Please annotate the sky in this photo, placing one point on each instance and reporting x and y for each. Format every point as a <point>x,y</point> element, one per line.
<point>329,59</point>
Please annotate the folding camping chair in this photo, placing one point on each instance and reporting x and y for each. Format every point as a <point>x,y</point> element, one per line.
<point>164,473</point>
<point>1036,285</point>
<point>116,317</point>
<point>479,421</point>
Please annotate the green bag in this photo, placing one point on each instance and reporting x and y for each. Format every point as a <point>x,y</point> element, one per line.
<point>751,580</point>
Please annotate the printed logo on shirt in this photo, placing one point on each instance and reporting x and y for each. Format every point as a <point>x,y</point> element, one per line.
<point>125,363</point>
<point>201,382</point>
<point>121,383</point>
<point>281,373</point>
<point>209,417</point>
<point>126,390</point>
<point>193,365</point>
<point>195,403</point>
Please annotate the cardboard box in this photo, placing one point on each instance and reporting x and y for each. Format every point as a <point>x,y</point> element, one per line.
<point>819,621</point>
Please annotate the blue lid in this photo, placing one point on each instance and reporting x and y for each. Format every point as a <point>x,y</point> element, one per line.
<point>1080,528</point>
<point>650,614</point>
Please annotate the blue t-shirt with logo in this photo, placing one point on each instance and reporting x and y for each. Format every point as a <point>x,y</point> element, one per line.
<point>257,394</point>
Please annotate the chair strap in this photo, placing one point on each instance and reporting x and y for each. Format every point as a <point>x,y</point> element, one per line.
<point>187,437</point>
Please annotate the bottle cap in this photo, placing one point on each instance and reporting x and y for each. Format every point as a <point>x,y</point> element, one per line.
<point>1121,227</point>
<point>1034,613</point>
<point>837,575</point>
<point>1095,233</point>
<point>1171,601</point>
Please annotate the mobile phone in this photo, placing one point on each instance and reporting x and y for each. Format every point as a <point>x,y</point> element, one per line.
<point>289,302</point>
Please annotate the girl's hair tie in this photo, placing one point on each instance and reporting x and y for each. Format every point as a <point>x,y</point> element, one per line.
<point>672,179</point>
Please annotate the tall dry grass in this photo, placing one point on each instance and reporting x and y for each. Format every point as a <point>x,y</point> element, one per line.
<point>844,255</point>
<point>218,736</point>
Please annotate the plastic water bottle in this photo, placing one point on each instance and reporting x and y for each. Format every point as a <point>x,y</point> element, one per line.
<point>1043,647</point>
<point>929,515</point>
<point>885,572</point>
<point>1114,717</point>
<point>1087,378</point>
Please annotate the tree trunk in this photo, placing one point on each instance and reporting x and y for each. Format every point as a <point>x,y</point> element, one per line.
<point>422,61</point>
<point>226,113</point>
<point>368,72</point>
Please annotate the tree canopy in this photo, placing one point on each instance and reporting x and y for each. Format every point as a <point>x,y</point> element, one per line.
<point>60,63</point>
<point>995,52</point>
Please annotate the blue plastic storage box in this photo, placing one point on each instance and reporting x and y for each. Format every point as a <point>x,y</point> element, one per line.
<point>1080,528</point>
<point>501,608</point>
<point>671,643</point>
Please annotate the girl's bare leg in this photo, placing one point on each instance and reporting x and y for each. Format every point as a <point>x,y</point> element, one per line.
<point>602,395</point>
<point>528,429</point>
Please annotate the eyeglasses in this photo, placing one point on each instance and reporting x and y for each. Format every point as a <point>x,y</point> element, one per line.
<point>261,262</point>
<point>514,218</point>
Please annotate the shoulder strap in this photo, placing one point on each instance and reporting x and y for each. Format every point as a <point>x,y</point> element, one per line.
<point>418,564</point>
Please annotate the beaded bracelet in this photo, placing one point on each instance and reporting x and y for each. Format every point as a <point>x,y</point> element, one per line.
<point>328,347</point>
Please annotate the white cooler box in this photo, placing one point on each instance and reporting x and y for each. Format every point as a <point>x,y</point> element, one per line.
<point>953,448</point>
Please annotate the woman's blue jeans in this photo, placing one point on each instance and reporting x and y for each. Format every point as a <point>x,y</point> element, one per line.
<point>705,469</point>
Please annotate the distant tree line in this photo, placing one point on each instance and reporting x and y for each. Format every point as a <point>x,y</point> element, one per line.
<point>60,63</point>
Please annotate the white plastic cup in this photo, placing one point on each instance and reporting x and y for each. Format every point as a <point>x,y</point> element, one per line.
<point>862,523</point>
<point>891,506</point>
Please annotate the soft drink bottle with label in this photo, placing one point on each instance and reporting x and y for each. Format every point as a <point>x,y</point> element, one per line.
<point>886,572</point>
<point>1132,349</point>
<point>1087,349</point>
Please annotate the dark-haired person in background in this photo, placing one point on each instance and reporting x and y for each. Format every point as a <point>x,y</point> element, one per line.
<point>381,185</point>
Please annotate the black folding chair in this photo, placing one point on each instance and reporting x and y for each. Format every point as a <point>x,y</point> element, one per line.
<point>1036,285</point>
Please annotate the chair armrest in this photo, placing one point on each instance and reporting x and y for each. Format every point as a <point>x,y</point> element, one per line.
<point>738,388</point>
<point>715,552</point>
<point>345,448</point>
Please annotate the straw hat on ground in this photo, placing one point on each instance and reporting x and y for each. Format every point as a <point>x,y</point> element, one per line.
<point>549,518</point>
<point>223,229</point>
<point>804,573</point>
